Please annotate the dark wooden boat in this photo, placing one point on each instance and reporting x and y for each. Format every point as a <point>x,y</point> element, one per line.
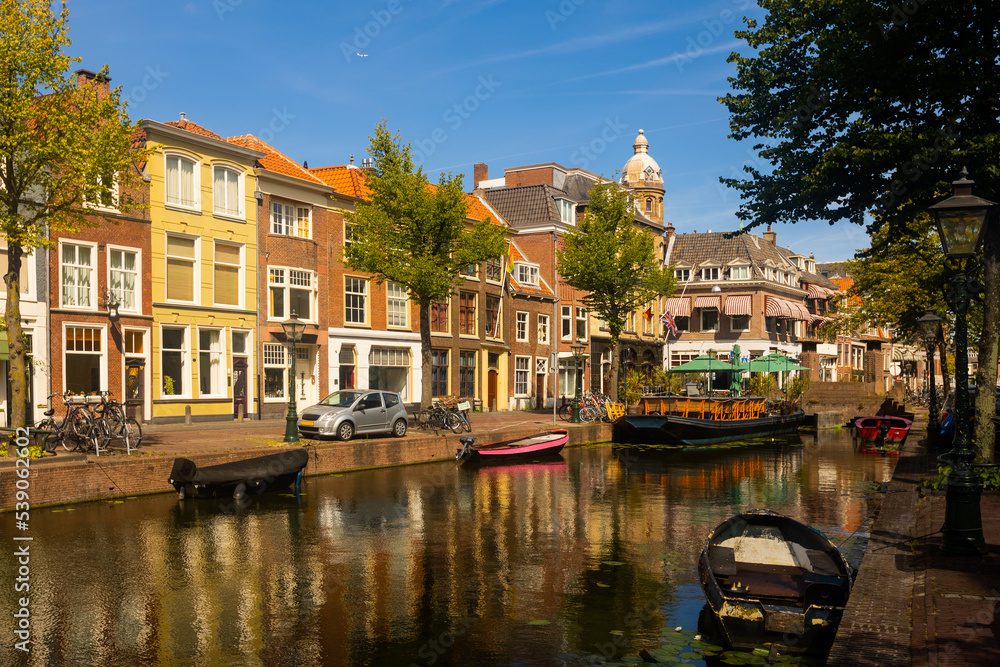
<point>274,472</point>
<point>546,443</point>
<point>882,432</point>
<point>772,580</point>
<point>692,421</point>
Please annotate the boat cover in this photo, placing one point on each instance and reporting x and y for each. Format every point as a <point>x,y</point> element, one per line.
<point>186,471</point>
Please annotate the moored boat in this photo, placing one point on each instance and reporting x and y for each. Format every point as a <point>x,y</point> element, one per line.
<point>884,432</point>
<point>770,579</point>
<point>274,472</point>
<point>692,421</point>
<point>546,443</point>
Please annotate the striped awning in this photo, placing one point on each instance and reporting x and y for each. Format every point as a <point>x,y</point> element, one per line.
<point>817,292</point>
<point>679,306</point>
<point>739,305</point>
<point>789,310</point>
<point>707,302</point>
<point>902,354</point>
<point>817,319</point>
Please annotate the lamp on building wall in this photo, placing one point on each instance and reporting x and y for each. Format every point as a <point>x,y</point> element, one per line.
<point>112,304</point>
<point>930,332</point>
<point>293,329</point>
<point>578,350</point>
<point>961,221</point>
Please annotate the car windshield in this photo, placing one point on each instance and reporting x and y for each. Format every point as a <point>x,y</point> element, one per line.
<point>341,399</point>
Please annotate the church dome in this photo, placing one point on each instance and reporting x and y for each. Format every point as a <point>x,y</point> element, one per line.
<point>641,169</point>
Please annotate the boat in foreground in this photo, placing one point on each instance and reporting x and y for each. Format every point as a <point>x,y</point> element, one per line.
<point>546,443</point>
<point>884,432</point>
<point>687,420</point>
<point>274,472</point>
<point>770,579</point>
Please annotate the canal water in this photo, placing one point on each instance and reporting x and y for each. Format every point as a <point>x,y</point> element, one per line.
<point>587,558</point>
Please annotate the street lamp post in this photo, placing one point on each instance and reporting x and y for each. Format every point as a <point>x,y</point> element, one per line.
<point>930,331</point>
<point>578,351</point>
<point>293,332</point>
<point>961,220</point>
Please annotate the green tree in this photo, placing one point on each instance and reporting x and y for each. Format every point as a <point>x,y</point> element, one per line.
<point>612,259</point>
<point>416,234</point>
<point>60,147</point>
<point>865,111</point>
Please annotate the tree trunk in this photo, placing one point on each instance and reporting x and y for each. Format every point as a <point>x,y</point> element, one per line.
<point>17,398</point>
<point>425,356</point>
<point>616,364</point>
<point>986,375</point>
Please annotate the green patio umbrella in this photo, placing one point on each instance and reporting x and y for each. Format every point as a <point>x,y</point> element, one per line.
<point>707,364</point>
<point>774,363</point>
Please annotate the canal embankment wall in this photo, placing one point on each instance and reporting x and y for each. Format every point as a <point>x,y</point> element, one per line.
<point>69,478</point>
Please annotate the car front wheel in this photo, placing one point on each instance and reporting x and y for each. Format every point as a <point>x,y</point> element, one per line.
<point>345,431</point>
<point>399,428</point>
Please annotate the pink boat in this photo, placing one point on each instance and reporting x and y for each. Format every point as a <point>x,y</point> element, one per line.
<point>541,444</point>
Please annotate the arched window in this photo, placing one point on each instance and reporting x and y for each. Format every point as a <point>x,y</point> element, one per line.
<point>649,203</point>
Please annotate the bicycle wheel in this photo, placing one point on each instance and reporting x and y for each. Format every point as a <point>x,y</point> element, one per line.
<point>454,422</point>
<point>102,431</point>
<point>133,431</point>
<point>587,415</point>
<point>566,412</point>
<point>83,430</point>
<point>50,443</point>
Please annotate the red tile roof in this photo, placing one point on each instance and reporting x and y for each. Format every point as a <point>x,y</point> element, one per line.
<point>352,181</point>
<point>194,128</point>
<point>346,179</point>
<point>274,160</point>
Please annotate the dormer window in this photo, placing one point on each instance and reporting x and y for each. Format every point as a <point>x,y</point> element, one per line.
<point>739,273</point>
<point>769,273</point>
<point>683,275</point>
<point>567,211</point>
<point>527,275</point>
<point>710,273</point>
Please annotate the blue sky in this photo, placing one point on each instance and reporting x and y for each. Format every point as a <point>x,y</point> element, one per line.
<point>505,82</point>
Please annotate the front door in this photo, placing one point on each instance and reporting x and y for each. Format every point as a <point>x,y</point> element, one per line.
<point>135,389</point>
<point>539,391</point>
<point>491,390</point>
<point>239,387</point>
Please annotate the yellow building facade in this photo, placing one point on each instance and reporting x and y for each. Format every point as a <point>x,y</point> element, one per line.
<point>203,272</point>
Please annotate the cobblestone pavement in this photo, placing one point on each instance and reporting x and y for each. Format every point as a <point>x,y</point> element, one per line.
<point>912,604</point>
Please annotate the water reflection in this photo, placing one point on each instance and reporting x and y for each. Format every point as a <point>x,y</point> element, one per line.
<point>591,554</point>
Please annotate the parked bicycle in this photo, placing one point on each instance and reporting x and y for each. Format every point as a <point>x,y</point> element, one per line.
<point>112,423</point>
<point>592,407</point>
<point>77,430</point>
<point>440,415</point>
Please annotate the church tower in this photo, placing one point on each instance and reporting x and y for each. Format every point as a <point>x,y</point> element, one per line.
<point>643,177</point>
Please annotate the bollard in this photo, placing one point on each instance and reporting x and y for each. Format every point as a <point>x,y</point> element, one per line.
<point>239,412</point>
<point>187,415</point>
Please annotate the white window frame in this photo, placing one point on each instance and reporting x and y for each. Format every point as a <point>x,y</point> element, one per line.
<point>102,339</point>
<point>195,185</point>
<point>241,279</point>
<point>743,271</point>
<point>527,274</point>
<point>303,224</point>
<point>566,323</point>
<point>269,360</point>
<point>27,275</point>
<point>185,350</point>
<point>227,210</point>
<point>521,326</point>
<point>91,290</point>
<point>195,267</point>
<point>101,206</point>
<point>522,372</point>
<point>219,355</point>
<point>289,223</point>
<point>543,329</point>
<point>581,317</point>
<point>281,278</point>
<point>396,305</point>
<point>494,265</point>
<point>567,211</point>
<point>709,273</point>
<point>682,275</point>
<point>136,306</point>
<point>351,281</point>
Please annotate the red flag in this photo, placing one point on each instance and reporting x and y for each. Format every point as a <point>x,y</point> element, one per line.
<point>648,315</point>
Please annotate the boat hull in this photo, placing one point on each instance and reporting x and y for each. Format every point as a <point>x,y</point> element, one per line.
<point>274,472</point>
<point>675,430</point>
<point>546,443</point>
<point>885,433</point>
<point>769,579</point>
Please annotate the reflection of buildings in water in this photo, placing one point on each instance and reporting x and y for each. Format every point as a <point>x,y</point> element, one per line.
<point>386,557</point>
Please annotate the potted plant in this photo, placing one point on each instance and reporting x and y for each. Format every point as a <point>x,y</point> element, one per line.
<point>632,391</point>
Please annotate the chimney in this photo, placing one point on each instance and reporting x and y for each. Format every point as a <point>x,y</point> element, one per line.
<point>84,77</point>
<point>352,160</point>
<point>771,237</point>
<point>480,172</point>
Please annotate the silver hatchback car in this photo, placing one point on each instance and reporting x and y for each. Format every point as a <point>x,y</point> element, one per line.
<point>351,412</point>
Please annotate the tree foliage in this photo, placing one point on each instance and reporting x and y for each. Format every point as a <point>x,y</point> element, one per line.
<point>416,234</point>
<point>612,259</point>
<point>864,111</point>
<point>60,147</point>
